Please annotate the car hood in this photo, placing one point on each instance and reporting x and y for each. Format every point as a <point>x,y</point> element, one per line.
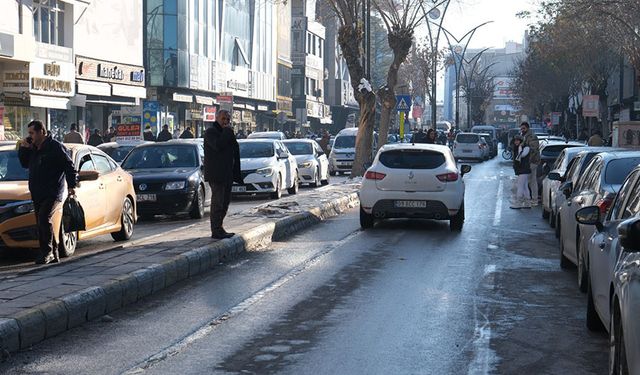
<point>14,191</point>
<point>161,174</point>
<point>256,163</point>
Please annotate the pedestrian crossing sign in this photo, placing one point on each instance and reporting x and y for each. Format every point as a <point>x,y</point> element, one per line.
<point>403,103</point>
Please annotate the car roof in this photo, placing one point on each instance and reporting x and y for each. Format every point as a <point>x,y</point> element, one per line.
<point>122,143</point>
<point>414,146</point>
<point>559,143</point>
<point>612,155</point>
<point>307,140</point>
<point>187,142</point>
<point>348,131</point>
<point>258,140</point>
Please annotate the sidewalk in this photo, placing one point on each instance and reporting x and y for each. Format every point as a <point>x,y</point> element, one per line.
<point>49,300</point>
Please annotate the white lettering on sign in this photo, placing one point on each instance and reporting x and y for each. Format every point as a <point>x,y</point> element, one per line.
<point>110,73</point>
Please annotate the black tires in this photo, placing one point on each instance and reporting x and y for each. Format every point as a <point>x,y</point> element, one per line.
<point>457,222</point>
<point>545,214</point>
<point>68,243</point>
<point>366,220</point>
<point>197,207</point>
<point>617,349</point>
<point>316,179</point>
<point>332,173</point>
<point>296,184</point>
<point>127,219</point>
<point>278,193</point>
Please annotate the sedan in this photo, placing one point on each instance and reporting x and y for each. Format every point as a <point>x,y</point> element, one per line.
<point>268,167</point>
<point>169,178</point>
<point>313,164</point>
<point>413,181</point>
<point>105,193</point>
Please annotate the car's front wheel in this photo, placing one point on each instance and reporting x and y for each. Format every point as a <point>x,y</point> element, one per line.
<point>366,220</point>
<point>294,189</point>
<point>457,221</point>
<point>68,243</point>
<point>278,193</point>
<point>126,222</point>
<point>316,178</point>
<point>197,208</point>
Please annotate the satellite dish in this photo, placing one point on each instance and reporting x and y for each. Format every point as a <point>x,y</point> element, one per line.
<point>434,14</point>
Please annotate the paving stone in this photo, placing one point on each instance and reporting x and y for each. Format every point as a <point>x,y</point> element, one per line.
<point>170,272</point>
<point>112,295</point>
<point>55,316</point>
<point>182,267</point>
<point>32,326</point>
<point>145,282</point>
<point>9,335</point>
<point>129,285</point>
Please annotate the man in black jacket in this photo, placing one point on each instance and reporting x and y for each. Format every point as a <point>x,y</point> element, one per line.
<point>221,169</point>
<point>49,165</point>
<point>165,134</point>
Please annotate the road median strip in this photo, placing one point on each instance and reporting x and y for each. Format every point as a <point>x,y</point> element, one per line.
<point>50,300</point>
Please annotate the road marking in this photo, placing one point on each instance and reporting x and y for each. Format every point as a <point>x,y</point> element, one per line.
<point>484,357</point>
<point>498,213</point>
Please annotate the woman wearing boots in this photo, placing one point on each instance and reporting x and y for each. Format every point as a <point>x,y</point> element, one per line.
<point>522,169</point>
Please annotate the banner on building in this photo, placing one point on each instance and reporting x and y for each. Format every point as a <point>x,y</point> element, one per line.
<point>150,111</point>
<point>591,106</point>
<point>209,113</point>
<point>129,132</point>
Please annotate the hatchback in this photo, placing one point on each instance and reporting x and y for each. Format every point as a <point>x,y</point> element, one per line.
<point>468,146</point>
<point>413,181</point>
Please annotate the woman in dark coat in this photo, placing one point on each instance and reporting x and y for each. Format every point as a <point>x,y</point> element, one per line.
<point>522,169</point>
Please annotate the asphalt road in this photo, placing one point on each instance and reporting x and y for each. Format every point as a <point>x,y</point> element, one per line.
<point>407,297</point>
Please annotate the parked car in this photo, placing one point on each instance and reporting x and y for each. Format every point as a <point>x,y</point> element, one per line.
<point>169,178</point>
<point>413,181</point>
<point>343,151</point>
<point>119,150</point>
<point>468,146</point>
<point>105,193</point>
<point>313,164</point>
<point>559,168</point>
<point>267,168</point>
<point>603,249</point>
<point>597,187</point>
<point>486,147</point>
<point>549,152</point>
<point>267,135</point>
<point>492,138</point>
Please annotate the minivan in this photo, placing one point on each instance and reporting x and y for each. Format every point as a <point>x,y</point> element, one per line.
<point>343,151</point>
<point>468,146</point>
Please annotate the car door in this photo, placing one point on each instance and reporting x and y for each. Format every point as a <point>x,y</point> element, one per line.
<point>91,194</point>
<point>285,164</point>
<point>582,198</point>
<point>323,162</point>
<point>114,187</point>
<point>604,248</point>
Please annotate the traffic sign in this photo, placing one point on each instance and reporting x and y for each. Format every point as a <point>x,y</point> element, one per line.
<point>403,103</point>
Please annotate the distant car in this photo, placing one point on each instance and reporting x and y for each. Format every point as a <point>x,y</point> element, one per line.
<point>487,146</point>
<point>559,167</point>
<point>413,181</point>
<point>468,146</point>
<point>169,178</point>
<point>119,150</point>
<point>491,138</point>
<point>267,135</point>
<point>313,164</point>
<point>597,186</point>
<point>105,193</point>
<point>267,167</point>
<point>549,152</point>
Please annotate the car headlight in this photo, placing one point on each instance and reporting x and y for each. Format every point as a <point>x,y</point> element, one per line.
<point>24,208</point>
<point>175,185</point>
<point>265,171</point>
<point>306,164</point>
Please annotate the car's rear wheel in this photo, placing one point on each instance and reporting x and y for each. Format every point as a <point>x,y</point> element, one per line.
<point>325,182</point>
<point>617,349</point>
<point>197,207</point>
<point>316,178</point>
<point>594,323</point>
<point>294,189</point>
<point>545,213</point>
<point>126,222</point>
<point>68,243</point>
<point>366,220</point>
<point>332,173</point>
<point>278,193</point>
<point>552,219</point>
<point>457,221</point>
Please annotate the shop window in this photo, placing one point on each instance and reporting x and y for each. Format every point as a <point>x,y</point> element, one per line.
<point>48,21</point>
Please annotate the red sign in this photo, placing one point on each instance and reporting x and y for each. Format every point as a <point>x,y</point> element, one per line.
<point>129,131</point>
<point>417,111</point>
<point>209,113</point>
<point>591,106</point>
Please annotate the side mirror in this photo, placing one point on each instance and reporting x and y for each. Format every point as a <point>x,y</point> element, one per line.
<point>567,189</point>
<point>629,235</point>
<point>590,216</point>
<point>555,176</point>
<point>465,168</point>
<point>282,155</point>
<point>88,175</point>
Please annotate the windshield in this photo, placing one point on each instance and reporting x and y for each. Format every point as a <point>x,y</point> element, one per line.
<point>10,168</point>
<point>345,141</point>
<point>161,157</point>
<point>256,150</point>
<point>118,153</point>
<point>410,159</point>
<point>617,170</point>
<point>300,148</point>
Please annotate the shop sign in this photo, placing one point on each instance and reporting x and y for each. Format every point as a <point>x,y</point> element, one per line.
<point>182,98</point>
<point>6,45</point>
<point>129,131</point>
<point>104,71</point>
<point>247,116</point>
<point>196,114</point>
<point>236,117</point>
<point>226,102</point>
<point>209,113</point>
<point>50,78</point>
<point>52,52</point>
<point>237,85</point>
<point>150,111</point>
<point>591,106</point>
<point>15,81</point>
<point>263,108</point>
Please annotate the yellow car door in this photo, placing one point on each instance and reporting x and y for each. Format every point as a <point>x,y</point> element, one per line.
<point>91,195</point>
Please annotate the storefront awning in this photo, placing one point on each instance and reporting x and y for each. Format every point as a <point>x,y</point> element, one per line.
<point>93,88</point>
<point>129,91</point>
<point>49,102</point>
<point>112,100</point>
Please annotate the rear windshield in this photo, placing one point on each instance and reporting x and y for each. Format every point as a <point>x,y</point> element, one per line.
<point>345,141</point>
<point>467,138</point>
<point>553,151</point>
<point>412,159</point>
<point>617,170</point>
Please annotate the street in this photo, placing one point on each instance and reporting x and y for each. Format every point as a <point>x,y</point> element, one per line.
<point>407,297</point>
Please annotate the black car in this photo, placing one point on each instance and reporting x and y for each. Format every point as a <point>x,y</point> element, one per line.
<point>169,178</point>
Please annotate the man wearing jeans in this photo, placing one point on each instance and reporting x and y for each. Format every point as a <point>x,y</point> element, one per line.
<point>221,169</point>
<point>531,141</point>
<point>49,166</point>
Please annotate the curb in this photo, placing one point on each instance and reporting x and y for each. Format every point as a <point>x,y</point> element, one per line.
<point>38,323</point>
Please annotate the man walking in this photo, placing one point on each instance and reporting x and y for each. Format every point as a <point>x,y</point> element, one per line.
<point>49,166</point>
<point>165,134</point>
<point>531,141</point>
<point>221,169</point>
<point>73,136</point>
<point>187,134</point>
<point>147,135</point>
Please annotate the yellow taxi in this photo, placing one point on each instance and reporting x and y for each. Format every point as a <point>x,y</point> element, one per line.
<point>105,193</point>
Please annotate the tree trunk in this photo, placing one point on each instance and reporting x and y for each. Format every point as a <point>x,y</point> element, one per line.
<point>388,99</point>
<point>364,139</point>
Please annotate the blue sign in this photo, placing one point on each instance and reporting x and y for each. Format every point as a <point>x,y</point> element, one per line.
<point>403,103</point>
<point>150,111</point>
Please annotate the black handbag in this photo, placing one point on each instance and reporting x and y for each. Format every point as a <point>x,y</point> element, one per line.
<point>73,215</point>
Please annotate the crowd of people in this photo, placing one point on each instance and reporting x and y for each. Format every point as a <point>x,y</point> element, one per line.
<point>97,138</point>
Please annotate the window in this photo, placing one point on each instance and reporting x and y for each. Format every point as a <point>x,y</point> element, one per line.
<point>573,166</point>
<point>616,210</point>
<point>405,159</point>
<point>86,164</point>
<point>633,207</point>
<point>617,170</point>
<point>102,163</point>
<point>48,21</point>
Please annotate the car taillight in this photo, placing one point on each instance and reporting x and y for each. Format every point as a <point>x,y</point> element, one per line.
<point>370,175</point>
<point>448,177</point>
<point>480,147</point>
<point>604,204</point>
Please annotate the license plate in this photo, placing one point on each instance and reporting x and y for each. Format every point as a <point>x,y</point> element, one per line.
<point>146,197</point>
<point>410,204</point>
<point>238,189</point>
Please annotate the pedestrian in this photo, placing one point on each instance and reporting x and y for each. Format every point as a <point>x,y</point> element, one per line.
<point>419,137</point>
<point>596,139</point>
<point>49,165</point>
<point>147,135</point>
<point>221,169</point>
<point>531,140</point>
<point>165,134</point>
<point>522,169</point>
<point>431,137</point>
<point>324,142</point>
<point>187,134</point>
<point>95,139</point>
<point>73,136</point>
<point>110,136</point>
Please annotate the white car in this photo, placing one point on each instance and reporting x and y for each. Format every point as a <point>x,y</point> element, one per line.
<point>468,146</point>
<point>267,167</point>
<point>313,165</point>
<point>343,151</point>
<point>413,181</point>
<point>267,135</point>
